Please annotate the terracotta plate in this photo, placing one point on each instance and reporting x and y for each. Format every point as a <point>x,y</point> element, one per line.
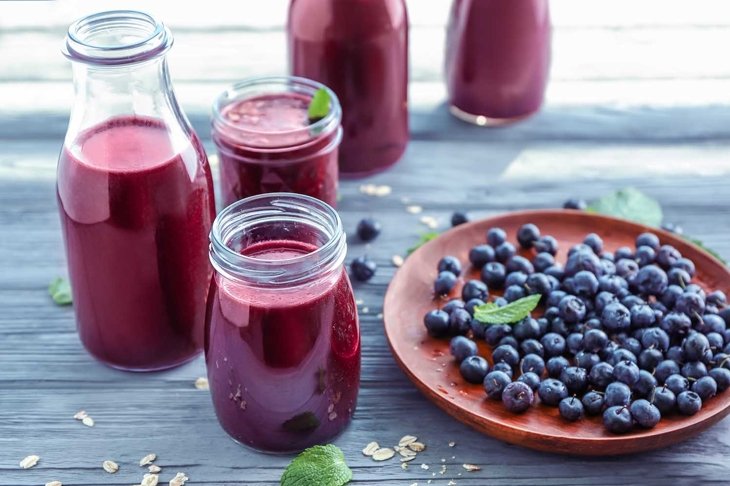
<point>428,364</point>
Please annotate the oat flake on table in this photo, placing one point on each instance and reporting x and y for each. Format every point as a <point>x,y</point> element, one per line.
<point>54,483</point>
<point>148,459</point>
<point>383,454</point>
<point>110,466</point>
<point>150,479</point>
<point>80,415</point>
<point>202,383</point>
<point>29,461</point>
<point>87,421</point>
<point>370,449</point>
<point>471,467</point>
<point>417,446</point>
<point>179,479</point>
<point>154,468</point>
<point>407,439</point>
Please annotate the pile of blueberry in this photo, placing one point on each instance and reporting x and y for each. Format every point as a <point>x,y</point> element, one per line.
<point>624,334</point>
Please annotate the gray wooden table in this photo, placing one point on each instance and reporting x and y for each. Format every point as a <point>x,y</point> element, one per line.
<point>632,101</point>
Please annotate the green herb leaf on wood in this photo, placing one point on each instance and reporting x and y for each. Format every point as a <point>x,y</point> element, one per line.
<point>60,291</point>
<point>630,203</point>
<point>318,466</point>
<point>422,240</point>
<point>491,313</point>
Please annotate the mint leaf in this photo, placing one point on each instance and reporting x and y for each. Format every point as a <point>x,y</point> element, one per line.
<point>491,313</point>
<point>319,107</point>
<point>422,240</point>
<point>60,291</point>
<point>703,247</point>
<point>629,203</point>
<point>318,466</point>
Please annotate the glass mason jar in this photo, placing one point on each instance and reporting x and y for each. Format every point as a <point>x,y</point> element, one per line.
<point>282,339</point>
<point>135,197</point>
<point>266,142</point>
<point>497,59</point>
<point>359,48</point>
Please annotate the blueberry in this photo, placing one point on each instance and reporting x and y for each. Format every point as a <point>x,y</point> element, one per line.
<point>473,369</point>
<point>664,399</point>
<point>645,414</point>
<point>514,292</point>
<point>504,368</point>
<point>527,328</point>
<point>571,409</point>
<point>617,393</point>
<point>622,354</point>
<point>493,274</point>
<point>645,384</point>
<point>496,236</point>
<point>509,341</point>
<point>480,255</point>
<point>495,332</point>
<point>507,354</point>
<point>612,283</point>
<point>705,387</point>
<point>515,278</point>
<point>575,379</point>
<point>626,268</point>
<point>472,304</point>
<point>592,403</point>
<point>583,260</point>
<point>538,283</point>
<point>617,419</point>
<point>679,277</point>
<point>676,324</point>
<point>648,239</point>
<point>559,326</point>
<point>552,391</point>
<point>495,382</point>
<point>553,344</point>
<point>459,322</point>
<point>630,344</point>
<point>458,218</point>
<point>437,323</point>
<point>685,264</point>
<point>452,305</point>
<point>671,294</point>
<point>642,316</point>
<point>630,301</point>
<point>542,261</point>
<point>574,342</point>
<point>690,303</point>
<point>474,289</point>
<point>477,329</point>
<point>672,228</point>
<point>546,244</point>
<point>711,323</point>
<point>368,229</point>
<point>721,377</point>
<point>695,346</point>
<point>462,347</point>
<point>651,280</point>
<point>517,396</point>
<point>363,268</point>
<point>574,203</point>
<point>444,283</point>
<point>623,252</point>
<point>717,298</point>
<point>601,375</point>
<point>645,255</point>
<point>688,403</point>
<point>531,379</point>
<point>694,369</point>
<point>532,346</point>
<point>667,255</point>
<point>650,358</point>
<point>587,360</point>
<point>572,309</point>
<point>626,372</point>
<point>695,289</point>
<point>676,383</point>
<point>527,235</point>
<point>595,242</point>
<point>519,264</point>
<point>532,363</point>
<point>556,365</point>
<point>450,264</point>
<point>504,252</point>
<point>585,284</point>
<point>555,271</point>
<point>603,299</point>
<point>616,317</point>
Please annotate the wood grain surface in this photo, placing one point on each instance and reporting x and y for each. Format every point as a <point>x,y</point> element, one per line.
<point>654,112</point>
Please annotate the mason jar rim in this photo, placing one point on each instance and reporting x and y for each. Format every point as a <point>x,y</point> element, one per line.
<point>139,36</point>
<point>261,85</point>
<point>276,208</point>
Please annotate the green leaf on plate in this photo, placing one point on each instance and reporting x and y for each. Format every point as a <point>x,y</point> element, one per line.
<point>491,313</point>
<point>629,203</point>
<point>318,466</point>
<point>60,291</point>
<point>422,240</point>
<point>319,107</point>
<point>703,247</point>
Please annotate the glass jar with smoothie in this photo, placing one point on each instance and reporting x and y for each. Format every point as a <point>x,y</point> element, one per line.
<point>359,48</point>
<point>283,339</point>
<point>267,142</point>
<point>135,197</point>
<point>497,59</point>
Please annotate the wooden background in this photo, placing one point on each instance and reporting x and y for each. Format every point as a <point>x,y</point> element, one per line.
<point>639,94</point>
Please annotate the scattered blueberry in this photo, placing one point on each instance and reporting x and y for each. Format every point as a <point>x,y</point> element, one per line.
<point>517,396</point>
<point>462,347</point>
<point>450,264</point>
<point>474,289</point>
<point>459,217</point>
<point>496,236</point>
<point>495,382</point>
<point>617,419</point>
<point>571,409</point>
<point>368,229</point>
<point>689,403</point>
<point>363,268</point>
<point>527,235</point>
<point>645,414</point>
<point>574,203</point>
<point>552,391</point>
<point>474,368</point>
<point>444,283</point>
<point>480,255</point>
<point>437,323</point>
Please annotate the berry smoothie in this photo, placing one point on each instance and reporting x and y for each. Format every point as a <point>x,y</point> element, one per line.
<point>267,143</point>
<point>135,213</point>
<point>497,58</point>
<point>283,363</point>
<point>359,48</point>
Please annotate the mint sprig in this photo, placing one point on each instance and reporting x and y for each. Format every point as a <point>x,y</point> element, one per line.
<point>491,313</point>
<point>319,107</point>
<point>422,240</point>
<point>318,466</point>
<point>60,291</point>
<point>629,203</point>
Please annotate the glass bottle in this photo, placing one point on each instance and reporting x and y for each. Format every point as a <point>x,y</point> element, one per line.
<point>497,59</point>
<point>359,48</point>
<point>282,339</point>
<point>135,198</point>
<point>266,142</point>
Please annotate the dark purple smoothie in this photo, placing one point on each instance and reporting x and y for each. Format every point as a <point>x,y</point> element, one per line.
<point>497,58</point>
<point>283,363</point>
